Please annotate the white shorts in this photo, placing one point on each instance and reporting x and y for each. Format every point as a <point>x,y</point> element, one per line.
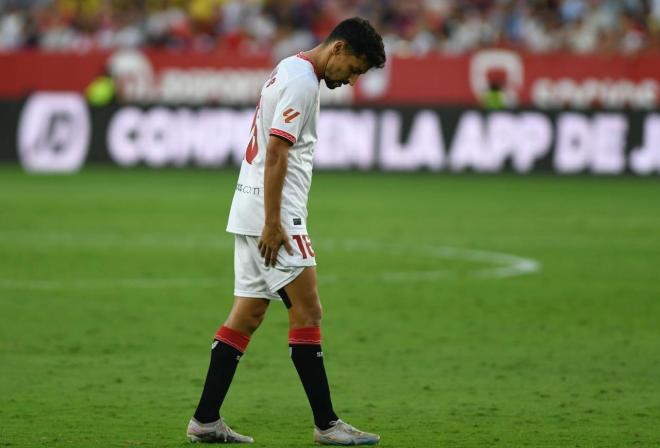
<point>252,278</point>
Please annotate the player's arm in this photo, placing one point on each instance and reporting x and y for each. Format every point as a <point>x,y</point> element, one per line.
<point>273,235</point>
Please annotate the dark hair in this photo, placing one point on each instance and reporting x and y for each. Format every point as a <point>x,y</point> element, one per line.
<point>362,40</point>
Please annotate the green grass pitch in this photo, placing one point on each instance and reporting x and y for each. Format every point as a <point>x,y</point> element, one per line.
<point>437,330</point>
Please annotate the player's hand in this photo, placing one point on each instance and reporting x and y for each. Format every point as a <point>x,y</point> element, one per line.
<point>272,237</point>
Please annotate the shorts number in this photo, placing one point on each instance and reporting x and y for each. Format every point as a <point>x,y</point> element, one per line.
<point>304,243</point>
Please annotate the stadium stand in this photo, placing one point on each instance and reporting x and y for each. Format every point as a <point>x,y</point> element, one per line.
<point>410,27</point>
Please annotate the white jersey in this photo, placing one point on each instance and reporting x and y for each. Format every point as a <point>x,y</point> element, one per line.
<point>288,108</point>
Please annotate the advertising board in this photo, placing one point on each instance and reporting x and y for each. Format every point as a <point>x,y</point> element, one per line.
<point>58,132</point>
<point>541,81</point>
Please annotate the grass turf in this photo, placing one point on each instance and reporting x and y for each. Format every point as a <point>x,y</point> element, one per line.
<point>112,284</point>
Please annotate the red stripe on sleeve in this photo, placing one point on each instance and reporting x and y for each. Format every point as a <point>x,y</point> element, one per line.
<point>283,134</point>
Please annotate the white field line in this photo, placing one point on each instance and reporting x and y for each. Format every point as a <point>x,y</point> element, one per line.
<point>500,265</point>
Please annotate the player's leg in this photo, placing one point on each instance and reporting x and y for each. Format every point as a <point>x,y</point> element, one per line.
<point>229,344</point>
<point>231,340</point>
<point>247,314</point>
<point>305,308</point>
<point>305,313</point>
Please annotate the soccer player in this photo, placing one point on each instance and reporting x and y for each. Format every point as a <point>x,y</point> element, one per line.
<point>273,255</point>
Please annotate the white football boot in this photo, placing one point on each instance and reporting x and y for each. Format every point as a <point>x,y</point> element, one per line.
<point>214,432</point>
<point>341,433</point>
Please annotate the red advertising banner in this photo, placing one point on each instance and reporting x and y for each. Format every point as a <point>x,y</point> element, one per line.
<point>520,80</point>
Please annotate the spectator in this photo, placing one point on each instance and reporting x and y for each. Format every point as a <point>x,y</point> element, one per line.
<point>409,27</point>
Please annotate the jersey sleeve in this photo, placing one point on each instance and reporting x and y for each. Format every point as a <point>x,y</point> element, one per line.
<point>295,103</point>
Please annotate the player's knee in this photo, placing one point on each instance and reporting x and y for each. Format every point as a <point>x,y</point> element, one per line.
<point>247,319</point>
<point>254,319</point>
<point>315,315</point>
<point>307,316</point>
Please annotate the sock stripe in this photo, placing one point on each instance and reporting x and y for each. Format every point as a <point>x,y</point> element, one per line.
<point>309,335</point>
<point>232,337</point>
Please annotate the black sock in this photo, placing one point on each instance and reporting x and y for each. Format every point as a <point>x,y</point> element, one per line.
<point>224,360</point>
<point>308,360</point>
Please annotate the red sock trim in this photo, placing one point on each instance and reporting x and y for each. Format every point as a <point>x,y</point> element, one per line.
<point>309,335</point>
<point>232,337</point>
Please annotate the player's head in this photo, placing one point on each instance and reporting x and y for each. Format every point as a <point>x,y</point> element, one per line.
<point>354,47</point>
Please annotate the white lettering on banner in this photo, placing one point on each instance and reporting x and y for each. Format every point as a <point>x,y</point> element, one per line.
<point>612,94</point>
<point>222,136</point>
<point>137,81</point>
<point>121,137</point>
<point>347,140</point>
<point>523,138</point>
<point>609,143</point>
<point>156,138</point>
<point>425,147</point>
<point>534,134</point>
<point>647,94</point>
<point>133,75</point>
<point>469,137</point>
<point>646,158</point>
<point>501,128</point>
<point>160,136</point>
<point>572,148</point>
<point>197,86</point>
<point>54,132</point>
<point>486,146</point>
<point>186,136</point>
<point>596,143</point>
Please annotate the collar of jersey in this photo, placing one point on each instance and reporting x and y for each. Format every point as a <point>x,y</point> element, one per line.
<point>301,55</point>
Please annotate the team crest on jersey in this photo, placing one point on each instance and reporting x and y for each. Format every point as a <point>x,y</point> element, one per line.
<point>290,115</point>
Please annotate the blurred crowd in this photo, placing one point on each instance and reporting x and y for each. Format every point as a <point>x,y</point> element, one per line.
<point>282,27</point>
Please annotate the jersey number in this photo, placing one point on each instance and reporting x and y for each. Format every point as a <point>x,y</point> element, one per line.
<point>253,146</point>
<point>304,243</point>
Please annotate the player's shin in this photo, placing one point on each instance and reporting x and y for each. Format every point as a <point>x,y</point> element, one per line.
<point>307,356</point>
<point>227,349</point>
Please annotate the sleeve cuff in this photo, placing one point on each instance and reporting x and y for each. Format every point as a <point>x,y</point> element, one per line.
<point>283,134</point>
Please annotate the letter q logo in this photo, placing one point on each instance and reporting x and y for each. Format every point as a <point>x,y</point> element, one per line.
<point>53,132</point>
